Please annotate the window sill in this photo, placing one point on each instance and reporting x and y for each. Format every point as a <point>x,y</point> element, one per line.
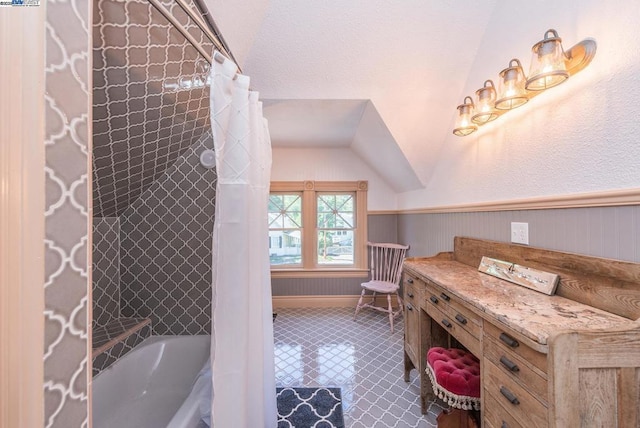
<point>319,273</point>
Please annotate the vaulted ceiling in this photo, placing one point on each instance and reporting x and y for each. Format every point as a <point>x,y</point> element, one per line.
<point>410,59</point>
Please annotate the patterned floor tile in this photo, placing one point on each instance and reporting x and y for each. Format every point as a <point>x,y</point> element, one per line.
<point>326,347</point>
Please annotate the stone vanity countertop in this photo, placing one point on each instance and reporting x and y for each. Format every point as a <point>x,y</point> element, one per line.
<point>533,314</point>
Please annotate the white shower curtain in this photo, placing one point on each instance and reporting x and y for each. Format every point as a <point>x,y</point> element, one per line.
<point>242,358</point>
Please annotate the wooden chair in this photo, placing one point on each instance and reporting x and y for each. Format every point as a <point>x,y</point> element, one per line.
<point>386,269</point>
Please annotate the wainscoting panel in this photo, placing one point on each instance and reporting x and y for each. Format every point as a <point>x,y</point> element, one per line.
<point>383,228</point>
<point>611,232</point>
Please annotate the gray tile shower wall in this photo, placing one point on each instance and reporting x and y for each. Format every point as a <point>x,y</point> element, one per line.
<point>67,207</point>
<point>106,270</point>
<point>150,99</point>
<point>166,240</point>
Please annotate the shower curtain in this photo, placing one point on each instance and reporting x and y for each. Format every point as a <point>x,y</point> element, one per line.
<point>242,357</point>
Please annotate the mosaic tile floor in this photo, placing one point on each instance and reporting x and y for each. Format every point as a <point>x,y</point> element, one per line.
<point>326,347</point>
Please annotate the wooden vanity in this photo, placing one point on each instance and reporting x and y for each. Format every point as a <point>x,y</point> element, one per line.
<point>567,360</point>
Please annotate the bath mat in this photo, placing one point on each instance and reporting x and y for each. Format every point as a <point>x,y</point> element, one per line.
<point>309,407</point>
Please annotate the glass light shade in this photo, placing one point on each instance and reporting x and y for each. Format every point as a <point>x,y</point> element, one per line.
<point>548,67</point>
<point>511,91</point>
<point>464,125</point>
<point>485,107</point>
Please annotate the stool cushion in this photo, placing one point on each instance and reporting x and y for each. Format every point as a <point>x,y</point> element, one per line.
<point>455,376</point>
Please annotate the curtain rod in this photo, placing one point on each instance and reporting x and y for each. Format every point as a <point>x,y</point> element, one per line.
<point>163,10</point>
<point>204,11</point>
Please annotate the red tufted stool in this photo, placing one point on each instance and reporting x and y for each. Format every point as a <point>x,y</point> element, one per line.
<point>455,376</point>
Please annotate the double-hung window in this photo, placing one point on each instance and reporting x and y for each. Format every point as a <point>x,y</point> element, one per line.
<point>318,228</point>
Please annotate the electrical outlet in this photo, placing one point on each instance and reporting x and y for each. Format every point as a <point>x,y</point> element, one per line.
<point>520,233</point>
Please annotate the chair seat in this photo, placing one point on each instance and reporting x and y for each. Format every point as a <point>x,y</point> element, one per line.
<point>455,376</point>
<point>380,286</point>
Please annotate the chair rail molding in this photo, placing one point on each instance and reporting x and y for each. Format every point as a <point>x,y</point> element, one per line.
<point>604,198</point>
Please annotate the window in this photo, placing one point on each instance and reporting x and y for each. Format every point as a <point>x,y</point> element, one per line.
<point>317,227</point>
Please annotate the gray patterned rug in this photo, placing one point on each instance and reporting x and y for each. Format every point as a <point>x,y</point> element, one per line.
<point>309,407</point>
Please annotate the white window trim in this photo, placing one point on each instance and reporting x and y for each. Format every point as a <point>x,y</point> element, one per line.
<point>310,268</point>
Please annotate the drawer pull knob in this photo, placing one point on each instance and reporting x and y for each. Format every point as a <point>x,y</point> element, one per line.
<point>509,340</point>
<point>445,297</point>
<point>509,395</point>
<point>446,323</point>
<point>409,306</point>
<point>461,319</point>
<point>504,425</point>
<point>410,281</point>
<point>434,300</point>
<point>410,294</point>
<point>509,364</point>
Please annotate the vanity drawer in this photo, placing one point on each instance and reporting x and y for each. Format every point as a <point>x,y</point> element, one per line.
<point>436,297</point>
<point>454,309</point>
<point>510,342</point>
<point>515,367</point>
<point>412,290</point>
<point>467,319</point>
<point>471,342</point>
<point>512,399</point>
<point>495,416</point>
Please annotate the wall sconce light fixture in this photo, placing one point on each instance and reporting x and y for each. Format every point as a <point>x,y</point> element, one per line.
<point>550,66</point>
<point>512,91</point>
<point>486,107</point>
<point>464,123</point>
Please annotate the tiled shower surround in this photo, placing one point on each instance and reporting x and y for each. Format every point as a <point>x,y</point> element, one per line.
<point>153,204</point>
<point>106,270</point>
<point>67,208</point>
<point>150,99</point>
<point>166,248</point>
<point>154,261</point>
<point>67,145</point>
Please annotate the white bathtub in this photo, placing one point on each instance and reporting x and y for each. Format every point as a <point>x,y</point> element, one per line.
<point>151,386</point>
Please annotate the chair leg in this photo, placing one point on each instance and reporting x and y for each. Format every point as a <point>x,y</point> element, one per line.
<point>400,304</point>
<point>390,311</point>
<point>359,305</point>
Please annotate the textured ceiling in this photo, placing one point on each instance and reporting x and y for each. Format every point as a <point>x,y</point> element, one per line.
<point>150,99</point>
<point>411,58</point>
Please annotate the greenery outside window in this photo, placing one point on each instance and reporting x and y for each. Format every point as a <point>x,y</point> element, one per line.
<point>318,228</point>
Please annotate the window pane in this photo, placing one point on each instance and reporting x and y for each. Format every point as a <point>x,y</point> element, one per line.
<point>335,211</point>
<point>285,211</point>
<point>335,247</point>
<point>285,247</point>
<point>344,220</point>
<point>344,203</point>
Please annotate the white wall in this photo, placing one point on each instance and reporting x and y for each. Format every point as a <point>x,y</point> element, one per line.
<point>338,164</point>
<point>581,136</point>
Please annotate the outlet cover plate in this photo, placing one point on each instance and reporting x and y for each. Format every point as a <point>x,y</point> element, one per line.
<point>520,233</point>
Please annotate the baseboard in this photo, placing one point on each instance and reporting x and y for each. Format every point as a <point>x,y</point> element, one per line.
<point>322,301</point>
